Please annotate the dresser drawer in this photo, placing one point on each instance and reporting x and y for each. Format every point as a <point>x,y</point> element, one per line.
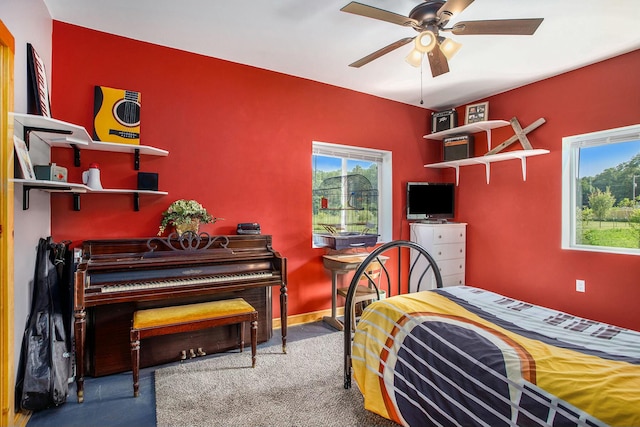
<point>449,235</point>
<point>451,266</point>
<point>453,280</point>
<point>448,251</point>
<point>448,280</point>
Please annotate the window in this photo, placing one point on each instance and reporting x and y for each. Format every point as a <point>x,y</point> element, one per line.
<point>600,191</point>
<point>352,190</point>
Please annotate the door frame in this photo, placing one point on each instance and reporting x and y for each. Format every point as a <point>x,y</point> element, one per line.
<point>7,343</point>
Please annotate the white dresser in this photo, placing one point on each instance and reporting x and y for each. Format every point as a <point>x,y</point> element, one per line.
<point>446,244</point>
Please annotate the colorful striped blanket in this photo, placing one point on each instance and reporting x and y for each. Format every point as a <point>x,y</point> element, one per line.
<point>469,357</point>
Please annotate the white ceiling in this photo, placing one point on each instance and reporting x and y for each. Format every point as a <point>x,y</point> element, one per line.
<point>313,39</point>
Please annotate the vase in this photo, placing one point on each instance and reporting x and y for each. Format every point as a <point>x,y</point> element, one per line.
<point>193,226</point>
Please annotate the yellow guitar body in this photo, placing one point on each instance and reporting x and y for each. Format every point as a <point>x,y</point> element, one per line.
<point>116,115</point>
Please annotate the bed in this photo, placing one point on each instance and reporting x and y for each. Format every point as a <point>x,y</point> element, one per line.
<point>466,356</point>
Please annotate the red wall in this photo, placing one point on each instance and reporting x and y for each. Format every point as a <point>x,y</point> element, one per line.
<point>240,142</point>
<point>514,231</point>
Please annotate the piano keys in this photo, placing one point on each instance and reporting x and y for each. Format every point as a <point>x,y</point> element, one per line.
<point>155,284</point>
<point>117,277</point>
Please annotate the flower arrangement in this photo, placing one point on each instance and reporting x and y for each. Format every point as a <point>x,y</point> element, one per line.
<point>183,212</point>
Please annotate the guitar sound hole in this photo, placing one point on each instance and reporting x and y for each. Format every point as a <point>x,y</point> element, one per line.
<point>127,113</point>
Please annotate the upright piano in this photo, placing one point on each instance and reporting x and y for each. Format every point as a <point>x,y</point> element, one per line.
<point>117,277</point>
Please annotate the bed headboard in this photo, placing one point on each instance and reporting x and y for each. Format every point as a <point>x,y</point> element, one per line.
<point>421,266</point>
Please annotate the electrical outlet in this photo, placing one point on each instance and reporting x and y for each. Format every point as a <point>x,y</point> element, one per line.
<point>580,286</point>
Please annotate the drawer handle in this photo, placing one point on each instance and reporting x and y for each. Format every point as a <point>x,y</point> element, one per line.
<point>460,266</point>
<point>439,236</point>
<point>460,250</point>
<point>440,253</point>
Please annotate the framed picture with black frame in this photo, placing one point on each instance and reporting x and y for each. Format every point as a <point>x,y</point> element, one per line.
<point>477,113</point>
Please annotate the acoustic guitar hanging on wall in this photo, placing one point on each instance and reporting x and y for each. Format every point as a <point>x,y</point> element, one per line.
<point>116,115</point>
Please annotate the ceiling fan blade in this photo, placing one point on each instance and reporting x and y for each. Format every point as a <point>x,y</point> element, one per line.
<point>437,61</point>
<point>525,27</point>
<point>375,13</point>
<point>450,9</point>
<point>378,53</point>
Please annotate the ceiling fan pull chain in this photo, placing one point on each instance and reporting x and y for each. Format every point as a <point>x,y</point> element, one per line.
<point>421,85</point>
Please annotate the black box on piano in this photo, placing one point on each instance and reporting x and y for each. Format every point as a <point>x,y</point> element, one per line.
<point>458,147</point>
<point>444,120</point>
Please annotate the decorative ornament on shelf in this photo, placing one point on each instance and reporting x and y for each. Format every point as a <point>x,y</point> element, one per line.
<point>185,215</point>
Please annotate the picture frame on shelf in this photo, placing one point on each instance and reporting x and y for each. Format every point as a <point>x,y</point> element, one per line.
<point>477,113</point>
<point>24,161</point>
<point>38,89</point>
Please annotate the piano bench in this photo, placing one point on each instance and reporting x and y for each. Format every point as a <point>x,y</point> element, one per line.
<point>192,317</point>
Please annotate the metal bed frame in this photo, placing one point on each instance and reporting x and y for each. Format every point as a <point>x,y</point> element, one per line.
<point>387,249</point>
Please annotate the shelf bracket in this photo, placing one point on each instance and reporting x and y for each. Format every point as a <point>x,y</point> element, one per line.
<point>76,155</point>
<point>27,188</point>
<point>136,201</point>
<point>26,131</point>
<point>487,171</point>
<point>25,197</point>
<point>136,159</point>
<point>457,168</point>
<point>76,202</point>
<point>523,160</point>
<point>488,131</point>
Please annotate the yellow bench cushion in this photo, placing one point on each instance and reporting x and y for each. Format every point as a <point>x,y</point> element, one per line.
<point>163,316</point>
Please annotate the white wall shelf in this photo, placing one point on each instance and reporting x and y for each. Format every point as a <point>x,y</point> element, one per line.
<point>126,148</point>
<point>76,189</point>
<point>127,191</point>
<point>57,133</point>
<point>487,160</point>
<point>52,186</point>
<point>485,126</point>
<point>134,149</point>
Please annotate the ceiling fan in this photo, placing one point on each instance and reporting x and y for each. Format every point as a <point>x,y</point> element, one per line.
<point>429,19</point>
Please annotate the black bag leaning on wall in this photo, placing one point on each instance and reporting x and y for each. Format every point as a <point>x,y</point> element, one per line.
<point>45,362</point>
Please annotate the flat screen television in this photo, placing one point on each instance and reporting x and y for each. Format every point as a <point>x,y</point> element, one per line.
<point>430,200</point>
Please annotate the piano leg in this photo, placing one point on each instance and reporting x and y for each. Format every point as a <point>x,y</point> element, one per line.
<point>283,316</point>
<point>254,342</point>
<point>135,361</point>
<point>80,335</point>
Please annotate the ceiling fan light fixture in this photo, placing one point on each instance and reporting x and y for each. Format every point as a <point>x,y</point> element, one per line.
<point>449,47</point>
<point>426,41</point>
<point>414,58</point>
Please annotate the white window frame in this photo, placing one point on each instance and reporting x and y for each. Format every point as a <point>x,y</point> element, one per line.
<point>570,182</point>
<point>385,178</point>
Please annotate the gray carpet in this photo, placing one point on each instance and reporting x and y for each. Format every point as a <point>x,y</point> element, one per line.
<point>300,388</point>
